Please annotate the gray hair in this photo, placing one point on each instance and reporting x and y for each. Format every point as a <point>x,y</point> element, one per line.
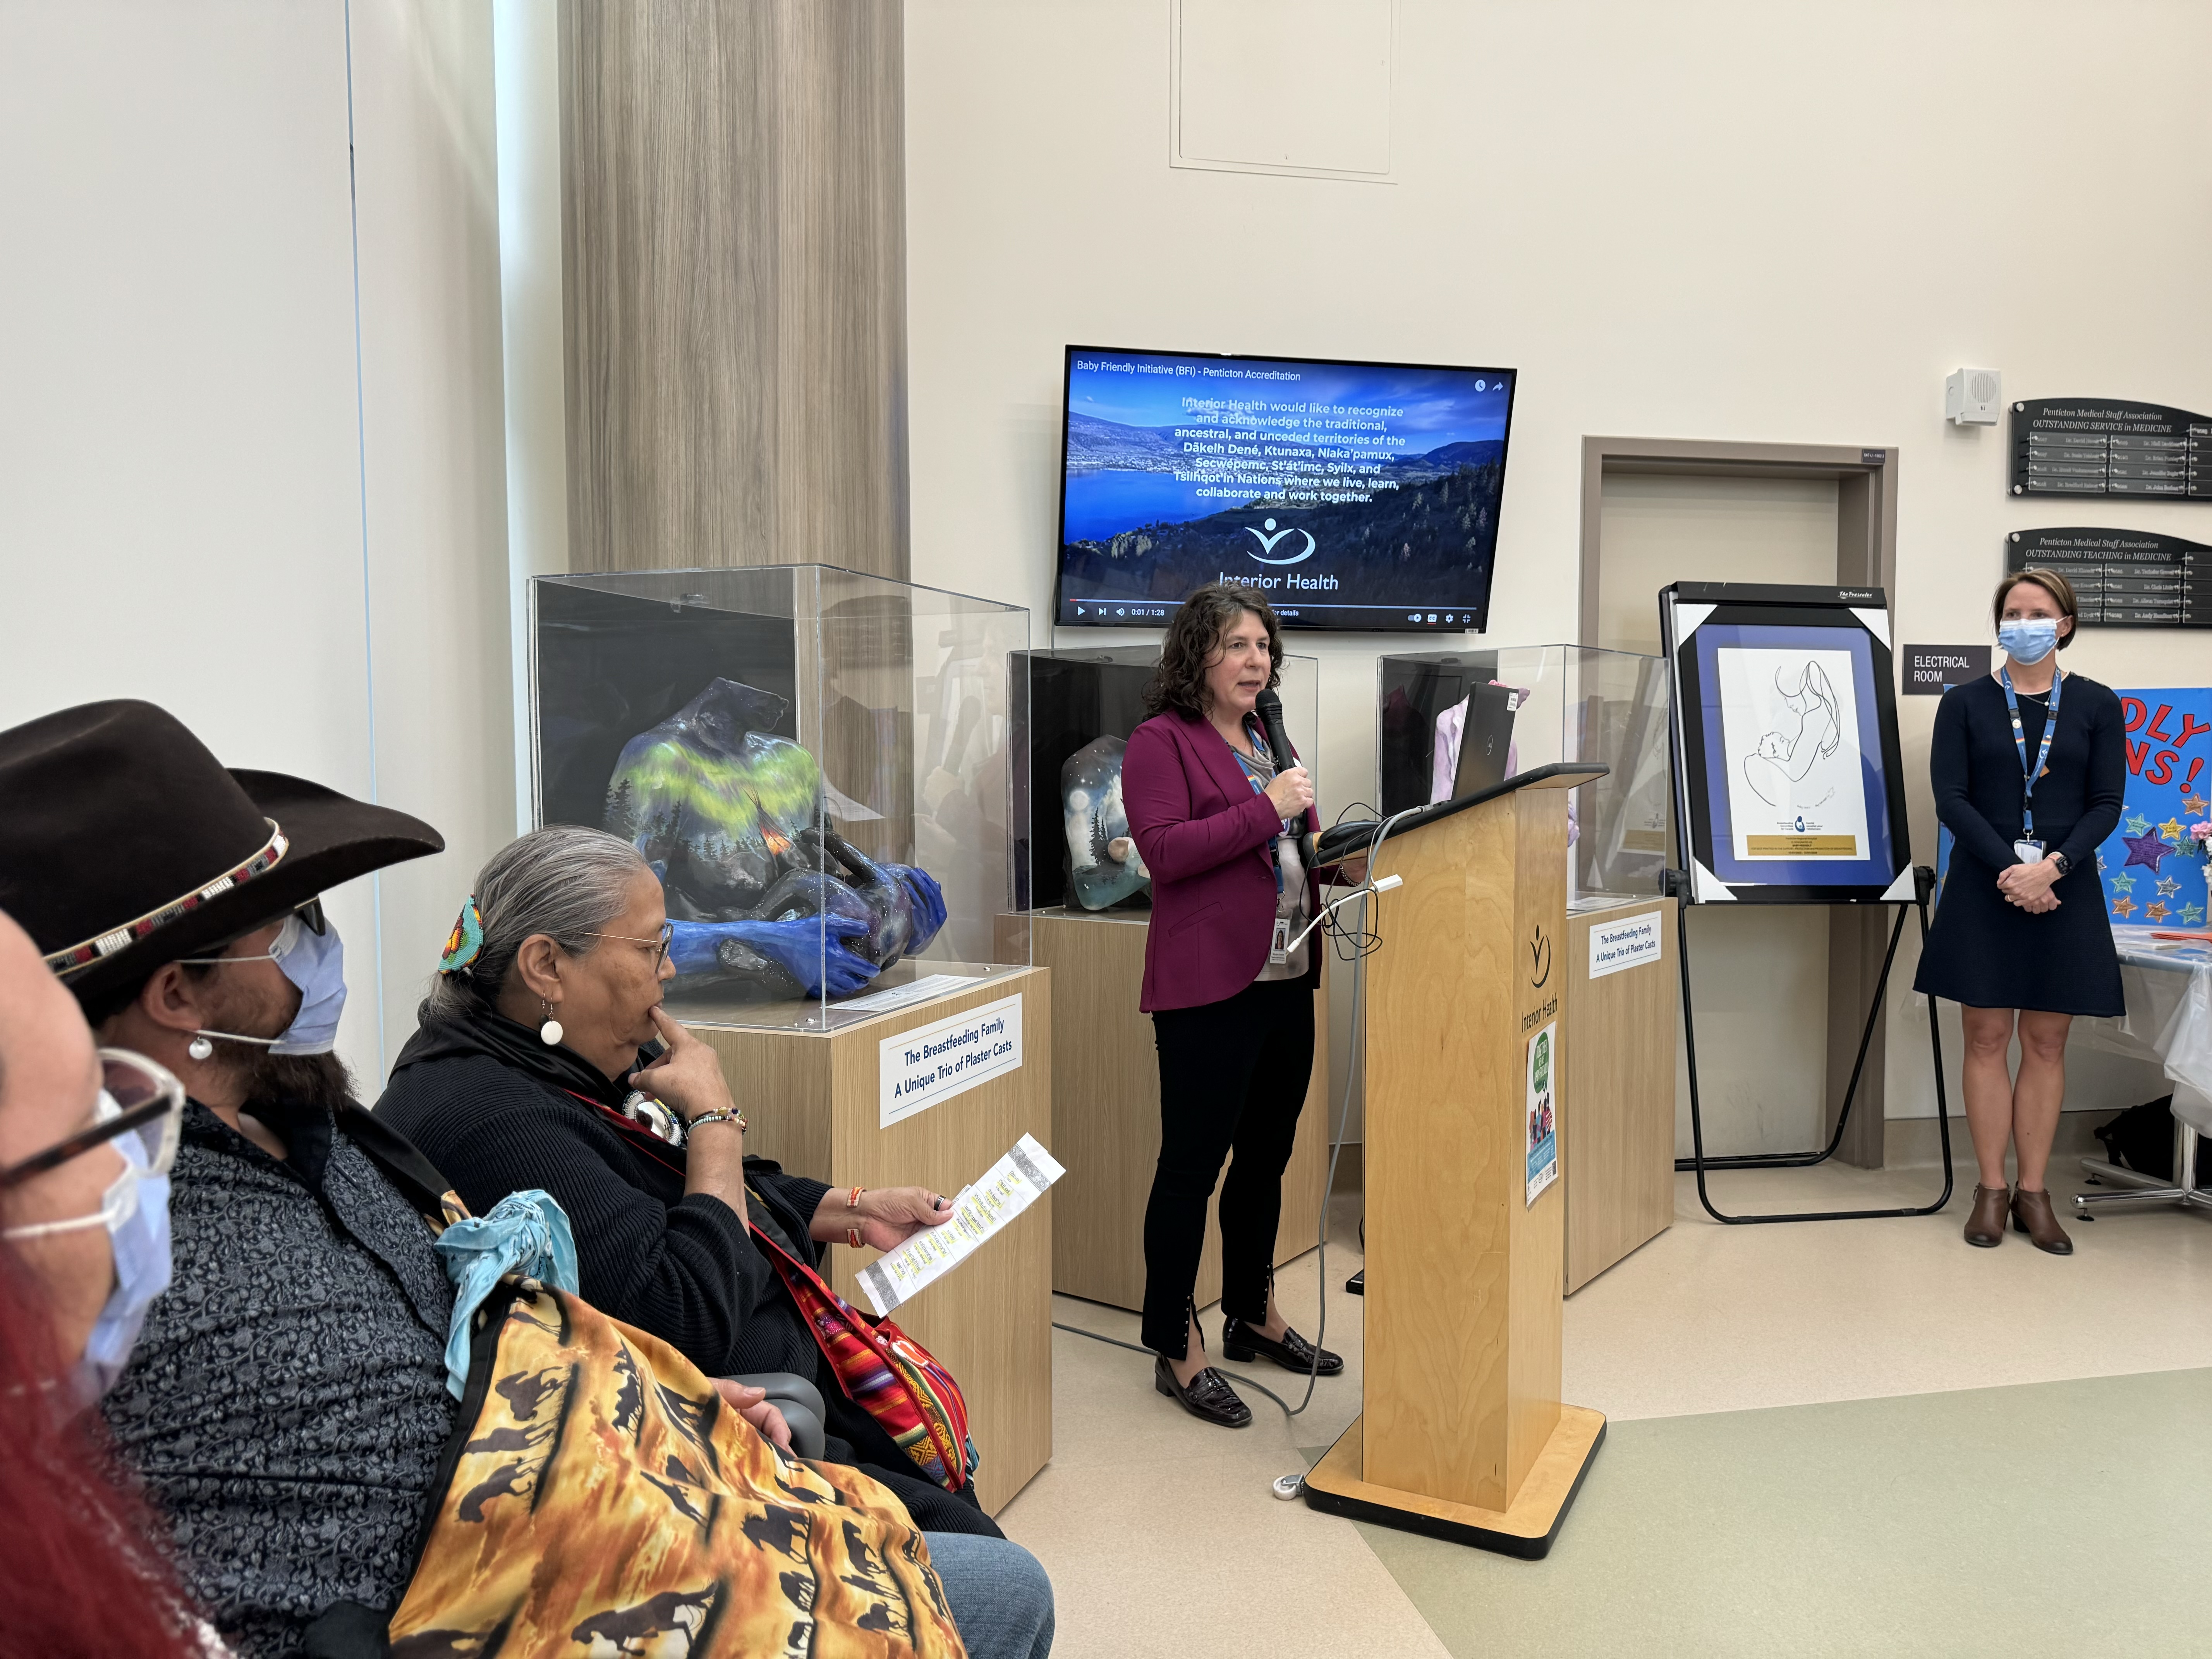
<point>565,881</point>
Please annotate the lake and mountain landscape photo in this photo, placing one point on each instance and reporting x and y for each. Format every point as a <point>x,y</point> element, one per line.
<point>1351,495</point>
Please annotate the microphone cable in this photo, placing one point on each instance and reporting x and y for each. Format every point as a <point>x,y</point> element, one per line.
<point>1356,948</point>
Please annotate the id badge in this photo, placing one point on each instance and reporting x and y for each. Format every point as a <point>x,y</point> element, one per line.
<point>1278,947</point>
<point>2027,852</point>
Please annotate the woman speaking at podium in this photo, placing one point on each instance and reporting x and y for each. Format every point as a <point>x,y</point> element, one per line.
<point>2029,769</point>
<point>1217,816</point>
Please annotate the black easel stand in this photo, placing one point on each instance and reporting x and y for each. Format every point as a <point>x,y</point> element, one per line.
<point>1924,883</point>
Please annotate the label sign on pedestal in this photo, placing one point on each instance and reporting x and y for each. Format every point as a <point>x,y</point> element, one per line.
<point>1543,1125</point>
<point>923,1068</point>
<point>1614,945</point>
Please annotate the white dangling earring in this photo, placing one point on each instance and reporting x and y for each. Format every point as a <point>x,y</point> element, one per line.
<point>199,1048</point>
<point>549,1033</point>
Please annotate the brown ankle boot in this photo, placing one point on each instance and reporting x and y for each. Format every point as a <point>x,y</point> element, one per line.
<point>2032,1214</point>
<point>1986,1226</point>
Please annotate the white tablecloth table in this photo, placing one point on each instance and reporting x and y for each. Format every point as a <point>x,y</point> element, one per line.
<point>2168,983</point>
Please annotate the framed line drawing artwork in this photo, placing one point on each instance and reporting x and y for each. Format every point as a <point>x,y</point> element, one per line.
<point>1789,784</point>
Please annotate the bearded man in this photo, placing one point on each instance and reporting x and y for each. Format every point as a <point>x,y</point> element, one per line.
<point>286,1402</point>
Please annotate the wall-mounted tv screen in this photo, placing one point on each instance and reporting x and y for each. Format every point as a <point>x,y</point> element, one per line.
<point>1352,494</point>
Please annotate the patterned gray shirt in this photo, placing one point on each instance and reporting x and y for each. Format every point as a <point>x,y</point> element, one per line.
<point>286,1405</point>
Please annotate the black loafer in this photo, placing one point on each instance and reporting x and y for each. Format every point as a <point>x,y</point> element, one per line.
<point>1240,1341</point>
<point>1208,1396</point>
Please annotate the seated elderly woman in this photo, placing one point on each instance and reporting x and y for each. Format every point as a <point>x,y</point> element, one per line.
<point>528,1072</point>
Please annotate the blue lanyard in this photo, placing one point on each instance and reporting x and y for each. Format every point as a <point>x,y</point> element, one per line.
<point>1252,777</point>
<point>2019,742</point>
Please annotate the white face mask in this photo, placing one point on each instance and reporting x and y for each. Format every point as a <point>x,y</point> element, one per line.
<point>135,1210</point>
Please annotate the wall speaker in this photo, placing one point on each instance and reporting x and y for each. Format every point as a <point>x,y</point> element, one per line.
<point>1971,397</point>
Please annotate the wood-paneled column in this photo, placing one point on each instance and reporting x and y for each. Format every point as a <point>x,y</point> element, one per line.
<point>734,258</point>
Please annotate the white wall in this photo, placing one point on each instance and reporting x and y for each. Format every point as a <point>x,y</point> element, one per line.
<point>1729,219</point>
<point>433,464</point>
<point>201,502</point>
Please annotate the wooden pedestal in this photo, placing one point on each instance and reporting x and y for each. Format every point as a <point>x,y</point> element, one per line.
<point>1106,1111</point>
<point>814,1104</point>
<point>1464,1435</point>
<point>1617,1066</point>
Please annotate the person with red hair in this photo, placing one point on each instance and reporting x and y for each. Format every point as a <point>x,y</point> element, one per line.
<point>84,1205</point>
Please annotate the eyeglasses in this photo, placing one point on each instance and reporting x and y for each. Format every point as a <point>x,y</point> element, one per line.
<point>149,1105</point>
<point>308,915</point>
<point>659,945</point>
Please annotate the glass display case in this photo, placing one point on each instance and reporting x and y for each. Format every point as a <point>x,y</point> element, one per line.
<point>1541,703</point>
<point>1074,713</point>
<point>818,764</point>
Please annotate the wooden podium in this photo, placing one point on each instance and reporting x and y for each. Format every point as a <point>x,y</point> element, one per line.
<point>1464,1437</point>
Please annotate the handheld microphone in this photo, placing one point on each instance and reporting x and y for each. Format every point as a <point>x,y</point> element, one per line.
<point>1269,708</point>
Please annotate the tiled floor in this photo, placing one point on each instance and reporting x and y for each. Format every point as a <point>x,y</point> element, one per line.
<point>1163,1538</point>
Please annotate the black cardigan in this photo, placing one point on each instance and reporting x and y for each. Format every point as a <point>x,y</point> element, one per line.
<point>496,1117</point>
<point>498,1112</point>
<point>1974,767</point>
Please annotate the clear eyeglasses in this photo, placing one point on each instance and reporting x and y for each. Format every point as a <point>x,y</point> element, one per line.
<point>148,1106</point>
<point>659,945</point>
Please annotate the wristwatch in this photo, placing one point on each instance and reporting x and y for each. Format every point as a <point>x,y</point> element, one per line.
<point>2061,862</point>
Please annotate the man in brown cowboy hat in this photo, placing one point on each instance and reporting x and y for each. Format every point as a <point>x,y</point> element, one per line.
<point>284,1405</point>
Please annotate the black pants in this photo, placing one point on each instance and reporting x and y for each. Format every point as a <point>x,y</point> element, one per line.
<point>1233,1076</point>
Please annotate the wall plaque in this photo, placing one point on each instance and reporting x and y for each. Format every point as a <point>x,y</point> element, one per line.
<point>1932,670</point>
<point>2123,578</point>
<point>2105,447</point>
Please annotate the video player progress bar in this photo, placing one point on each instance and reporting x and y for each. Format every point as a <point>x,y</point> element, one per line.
<point>1160,607</point>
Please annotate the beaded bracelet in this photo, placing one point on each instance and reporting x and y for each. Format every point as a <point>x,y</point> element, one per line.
<point>719,1115</point>
<point>853,1203</point>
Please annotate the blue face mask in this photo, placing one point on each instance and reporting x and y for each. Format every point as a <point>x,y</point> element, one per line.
<point>316,964</point>
<point>313,961</point>
<point>135,1210</point>
<point>2029,642</point>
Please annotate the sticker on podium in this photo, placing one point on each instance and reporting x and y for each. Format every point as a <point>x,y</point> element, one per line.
<point>1614,945</point>
<point>927,1066</point>
<point>1543,1123</point>
<point>1013,1183</point>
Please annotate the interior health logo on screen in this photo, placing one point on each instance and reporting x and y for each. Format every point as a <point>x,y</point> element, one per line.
<point>1267,543</point>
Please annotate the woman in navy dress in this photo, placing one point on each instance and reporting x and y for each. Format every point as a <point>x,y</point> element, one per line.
<point>2020,939</point>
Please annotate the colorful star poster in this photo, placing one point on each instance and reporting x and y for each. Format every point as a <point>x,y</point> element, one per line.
<point>2151,870</point>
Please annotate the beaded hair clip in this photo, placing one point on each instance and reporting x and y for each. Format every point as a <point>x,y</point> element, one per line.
<point>465,941</point>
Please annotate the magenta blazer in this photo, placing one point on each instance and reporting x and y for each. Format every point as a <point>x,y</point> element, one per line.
<point>1203,834</point>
